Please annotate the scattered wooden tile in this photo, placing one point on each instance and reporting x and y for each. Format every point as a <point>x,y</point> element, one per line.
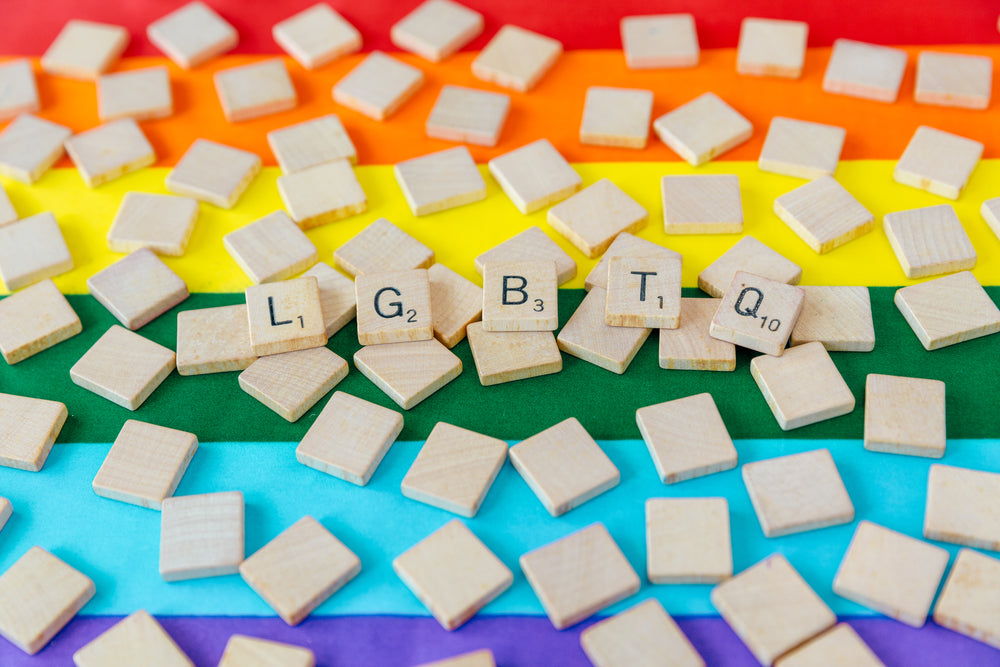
<point>892,573</point>
<point>938,162</point>
<point>311,143</point>
<point>213,173</point>
<point>868,71</point>
<point>929,241</point>
<point>802,386</point>
<point>824,214</point>
<point>28,427</point>
<point>948,310</point>
<point>349,438</point>
<point>905,415</point>
<point>687,541</point>
<point>337,297</point>
<point>616,117</point>
<point>534,176</point>
<point>436,29</point>
<point>408,372</point>
<point>162,223</point>
<point>292,382</point>
<point>322,194</point>
<point>39,595</point>
<point>192,35</point>
<point>624,245</point>
<point>644,292</point>
<point>750,298</point>
<point>141,94</point>
<point>35,319</point>
<point>136,638</point>
<point>642,636</point>
<point>84,49</point>
<point>839,647</point>
<point>531,244</point>
<point>394,307</point>
<point>839,317</point>
<point>587,336</point>
<point>659,41</point>
<point>213,340</point>
<point>109,151</point>
<point>690,347</point>
<point>769,47</point>
<point>468,115</point>
<point>702,204</point>
<point>201,535</point>
<point>455,303</point>
<point>243,651</point>
<point>516,58</point>
<point>481,658</point>
<point>751,256</point>
<point>453,573</point>
<point>271,248</point>
<point>285,316</point>
<point>439,181</point>
<point>960,507</point>
<point>299,569</point>
<point>593,217</point>
<point>990,210</point>
<point>520,296</point>
<point>576,576</point>
<point>954,80</point>
<point>317,36</point>
<point>564,466</point>
<point>32,249</point>
<point>801,149</point>
<point>137,288</point>
<point>382,246</point>
<point>18,90</point>
<point>29,146</point>
<point>378,86</point>
<point>702,129</point>
<point>5,511</point>
<point>255,90</point>
<point>123,367</point>
<point>968,602</point>
<point>506,356</point>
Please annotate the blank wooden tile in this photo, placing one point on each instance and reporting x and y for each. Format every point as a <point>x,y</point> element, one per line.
<point>686,438</point>
<point>516,58</point>
<point>436,29</point>
<point>136,639</point>
<point>801,149</point>
<point>18,90</point>
<point>137,288</point>
<point>824,214</point>
<point>293,382</point>
<point>192,35</point>
<point>905,415</point>
<point>84,49</point>
<point>271,248</point>
<point>587,336</point>
<point>659,41</point>
<point>243,651</point>
<point>299,569</point>
<point>29,146</point>
<point>644,292</point>
<point>440,181</point>
<point>593,217</point>
<point>535,176</point>
<point>690,347</point>
<point>624,245</point>
<point>394,307</point>
<point>506,356</point>
<point>408,372</point>
<point>378,86</point>
<point>687,541</point>
<point>948,310</point>
<point>616,117</point>
<point>5,511</point>
<point>337,297</point>
<point>382,246</point>
<point>702,129</point>
<point>162,223</point>
<point>453,574</point>
<point>839,647</point>
<point>642,636</point>
<point>938,162</point>
<point>564,466</point>
<point>255,90</point>
<point>35,319</point>
<point>520,296</point>
<point>32,249</point>
<point>890,572</point>
<point>39,594</point>
<point>769,47</point>
<point>322,194</point>
<point>285,316</point>
<point>349,438</point>
<point>961,506</point>
<point>201,535</point>
<point>123,367</point>
<point>108,151</point>
<point>702,204</point>
<point>751,256</point>
<point>532,244</point>
<point>751,298</point>
<point>316,36</point>
<point>839,317</point>
<point>28,427</point>
<point>969,601</point>
<point>455,303</point>
<point>141,94</point>
<point>929,241</point>
<point>468,115</point>
<point>311,143</point>
<point>954,80</point>
<point>481,658</point>
<point>990,210</point>
<point>868,71</point>
<point>578,575</point>
<point>214,173</point>
<point>213,340</point>
<point>802,386</point>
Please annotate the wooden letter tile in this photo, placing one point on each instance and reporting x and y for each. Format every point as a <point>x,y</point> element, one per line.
<point>192,35</point>
<point>285,316</point>
<point>769,47</point>
<point>201,535</point>
<point>520,296</point>
<point>624,245</point>
<point>272,248</point>
<point>468,115</point>
<point>505,356</point>
<point>18,90</point>
<point>752,256</point>
<point>440,181</point>
<point>938,162</point>
<point>644,292</point>
<point>32,249</point>
<point>823,214</point>
<point>378,86</point>
<point>587,336</point>
<point>616,117</point>
<point>322,194</point>
<point>123,367</point>
<point>516,58</point>
<point>948,310</point>
<point>311,143</point>
<point>702,129</point>
<point>141,94</point>
<point>109,151</point>
<point>455,303</point>
<point>535,176</point>
<point>408,372</point>
<point>954,80</point>
<point>337,297</point>
<point>751,298</point>
<point>687,541</point>
<point>316,36</point>
<point>838,317</point>
<point>84,50</point>
<point>135,639</point>
<point>394,307</point>
<point>380,247</point>
<point>29,146</point>
<point>138,288</point>
<point>961,507</point>
<point>864,70</point>
<point>686,438</point>
<point>213,173</point>
<point>482,658</point>
<point>660,41</point>
<point>801,149</point>
<point>162,223</point>
<point>293,382</point>
<point>929,241</point>
<point>28,427</point>
<point>702,204</point>
<point>255,90</point>
<point>436,29</point>
<point>690,347</point>
<point>838,647</point>
<point>969,601</point>
<point>905,415</point>
<point>532,243</point>
<point>593,217</point>
<point>243,651</point>
<point>213,340</point>
<point>35,319</point>
<point>641,636</point>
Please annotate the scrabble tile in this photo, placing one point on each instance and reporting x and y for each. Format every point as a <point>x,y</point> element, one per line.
<point>564,466</point>
<point>969,601</point>
<point>587,336</point>
<point>378,86</point>
<point>394,307</point>
<point>838,317</point>
<point>5,511</point>
<point>201,535</point>
<point>892,573</point>
<point>271,248</point>
<point>213,340</point>
<point>317,36</point>
<point>659,41</point>
<point>136,638</point>
<point>751,298</point>
<point>702,204</point>
<point>905,415</point>
<point>213,173</point>
<point>953,80</point>
<point>535,176</point>
<point>839,647</point>
<point>408,372</point>
<point>801,149</point>
<point>482,658</point>
<point>948,310</point>
<point>123,367</point>
<point>29,146</point>
<point>506,356</point>
<point>337,297</point>
<point>687,541</point>
<point>960,507</point>
<point>28,427</point>
<point>938,162</point>
<point>702,129</point>
<point>616,117</point>
<point>624,245</point>
<point>520,296</point>
<point>299,569</point>
<point>468,115</point>
<point>771,608</point>
<point>311,143</point>
<point>642,636</point>
<point>162,223</point>
<point>751,256</point>
<point>593,217</point>
<point>141,94</point>
<point>192,35</point>
<point>145,464</point>
<point>824,214</point>
<point>769,47</point>
<point>255,90</point>
<point>84,50</point>
<point>382,246</point>
<point>349,438</point>
<point>531,244</point>
<point>453,573</point>
<point>436,29</point>
<point>243,651</point>
<point>690,347</point>
<point>322,194</point>
<point>990,210</point>
<point>578,575</point>
<point>292,382</point>
<point>18,90</point>
<point>929,241</point>
<point>39,594</point>
<point>35,319</point>
<point>32,249</point>
<point>455,304</point>
<point>108,151</point>
<point>802,386</point>
<point>439,181</point>
<point>644,292</point>
<point>138,288</point>
<point>516,58</point>
<point>285,316</point>
<point>864,70</point>
<point>686,438</point>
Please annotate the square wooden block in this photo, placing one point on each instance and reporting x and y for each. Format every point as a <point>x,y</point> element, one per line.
<point>255,90</point>
<point>532,244</point>
<point>285,316</point>
<point>109,151</point>
<point>905,415</point>
<point>192,35</point>
<point>453,573</point>
<point>141,94</point>
<point>516,58</point>
<point>969,601</point>
<point>751,298</point>
<point>702,129</point>
<point>954,80</point>
<point>39,594</point>
<point>990,210</point>
<point>35,319</point>
<point>455,304</point>
<point>839,317</point>
<point>213,340</point>
<point>578,575</point>
<point>938,162</point>
<point>642,636</point>
<point>644,292</point>
<point>394,307</point>
<point>378,86</point>
<point>702,204</point>
<point>535,176</point>
<point>892,573</point>
<point>201,536</point>
<point>32,249</point>
<point>408,372</point>
<point>311,143</point>
<point>28,427</point>
<point>587,336</point>
<point>337,297</point>
<point>213,173</point>
<point>948,310</point>
<point>293,382</point>
<point>868,71</point>
<point>440,181</point>
<point>468,115</point>
<point>482,658</point>
<point>349,438</point>
<point>769,47</point>
<point>137,288</point>
<point>380,247</point>
<point>801,149</point>
<point>929,241</point>
<point>838,646</point>
<point>322,194</point>
<point>624,245</point>
<point>123,367</point>
<point>162,223</point>
<point>506,356</point>
<point>243,651</point>
<point>616,117</point>
<point>564,466</point>
<point>316,36</point>
<point>690,347</point>
<point>18,90</point>
<point>659,41</point>
<point>136,635</point>
<point>593,217</point>
<point>520,296</point>
<point>299,569</point>
<point>687,541</point>
<point>84,50</point>
<point>961,507</point>
<point>436,29</point>
<point>751,256</point>
<point>29,146</point>
<point>802,386</point>
<point>271,248</point>
<point>824,214</point>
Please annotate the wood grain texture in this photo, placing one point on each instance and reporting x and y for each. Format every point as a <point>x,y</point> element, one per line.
<point>394,307</point>
<point>968,602</point>
<point>35,319</point>
<point>29,146</point>
<point>162,223</point>
<point>839,317</point>
<point>643,635</point>
<point>468,115</point>
<point>108,151</point>
<point>659,41</point>
<point>322,194</point>
<point>868,71</point>
<point>838,647</point>
<point>439,181</point>
<point>382,246</point>
<point>616,117</point>
<point>624,245</point>
<point>516,58</point>
<point>337,297</point>
<point>409,372</point>
<point>213,173</point>
<point>455,304</point>
<point>938,162</point>
<point>138,288</point>
<point>271,248</point>
<point>702,129</point>
<point>824,214</point>
<point>316,36</point>
<point>688,541</point>
<point>506,356</point>
<point>136,639</point>
<point>313,142</point>
<point>801,148</point>
<point>535,176</point>
<point>378,86</point>
<point>142,94</point>
<point>436,29</point>
<point>644,292</point>
<point>905,415</point>
<point>201,535</point>
<point>20,91</point>
<point>84,50</point>
<point>702,204</point>
<point>770,47</point>
<point>750,255</point>
<point>751,298</point>
<point>948,310</point>
<point>292,382</point>
<point>28,427</point>
<point>192,34</point>
<point>960,507</point>
<point>929,241</point>
<point>690,347</point>
<point>251,91</point>
<point>285,316</point>
<point>123,367</point>
<point>953,80</point>
<point>587,336</point>
<point>593,217</point>
<point>532,243</point>
<point>213,340</point>
<point>32,249</point>
<point>520,296</point>
<point>243,651</point>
